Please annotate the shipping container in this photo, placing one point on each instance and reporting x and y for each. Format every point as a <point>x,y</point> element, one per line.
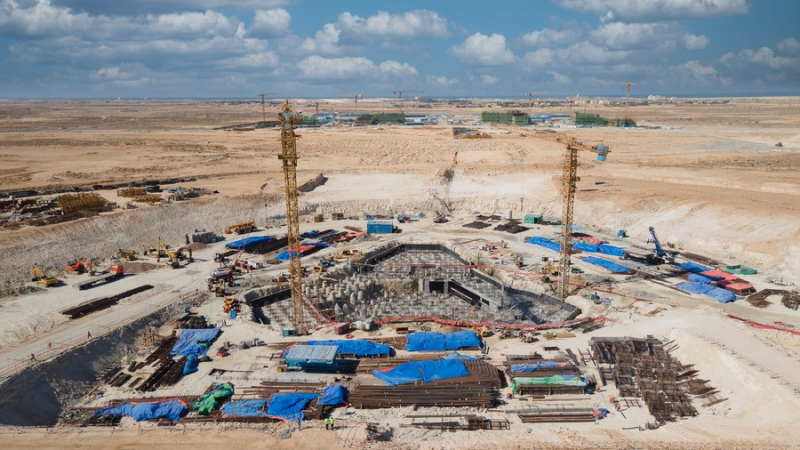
<point>341,328</point>
<point>380,227</point>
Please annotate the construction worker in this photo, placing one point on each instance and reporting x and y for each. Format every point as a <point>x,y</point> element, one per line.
<point>49,345</point>
<point>583,359</point>
<point>88,335</point>
<point>33,357</point>
<point>333,424</point>
<point>327,423</point>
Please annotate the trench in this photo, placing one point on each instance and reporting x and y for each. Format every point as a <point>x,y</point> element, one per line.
<point>39,395</point>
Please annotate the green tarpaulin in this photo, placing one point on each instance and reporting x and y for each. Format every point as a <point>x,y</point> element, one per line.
<point>563,380</point>
<point>210,401</point>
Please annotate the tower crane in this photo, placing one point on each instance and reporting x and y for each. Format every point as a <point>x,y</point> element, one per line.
<point>530,99</point>
<point>355,98</point>
<point>289,157</point>
<point>569,178</point>
<point>627,99</point>
<point>400,93</point>
<point>263,105</point>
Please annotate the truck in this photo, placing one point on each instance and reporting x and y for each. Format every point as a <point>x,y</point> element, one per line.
<point>114,273</point>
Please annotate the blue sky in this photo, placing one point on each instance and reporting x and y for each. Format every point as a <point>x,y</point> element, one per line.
<point>312,48</point>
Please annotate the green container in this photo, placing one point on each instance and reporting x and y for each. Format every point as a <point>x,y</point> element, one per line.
<point>535,219</point>
<point>289,332</point>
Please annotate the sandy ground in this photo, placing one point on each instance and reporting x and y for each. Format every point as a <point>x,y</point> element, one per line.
<point>717,186</point>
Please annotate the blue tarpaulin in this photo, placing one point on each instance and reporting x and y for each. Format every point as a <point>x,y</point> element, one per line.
<point>426,371</point>
<point>245,408</point>
<point>248,241</point>
<point>544,242</point>
<point>438,342</point>
<point>610,250</point>
<point>456,355</point>
<point>694,287</point>
<point>715,293</point>
<point>170,409</point>
<point>696,277</point>
<point>692,267</point>
<point>335,394</point>
<point>189,341</point>
<point>721,295</point>
<point>537,366</point>
<point>191,365</point>
<point>585,247</point>
<point>289,406</point>
<point>613,267</point>
<point>356,347</point>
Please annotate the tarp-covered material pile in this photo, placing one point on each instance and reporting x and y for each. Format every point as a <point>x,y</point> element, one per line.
<point>606,264</point>
<point>191,365</point>
<point>334,394</point>
<point>610,250</point>
<point>456,355</point>
<point>541,365</point>
<point>248,242</point>
<point>210,401</point>
<point>544,242</point>
<point>692,267</point>
<point>426,371</point>
<point>173,410</point>
<point>561,380</point>
<point>194,342</point>
<point>356,347</point>
<point>305,248</point>
<point>289,406</point>
<point>438,342</point>
<point>697,278</point>
<point>245,408</point>
<point>718,294</point>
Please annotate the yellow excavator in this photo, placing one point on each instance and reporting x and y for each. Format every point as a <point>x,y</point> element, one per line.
<point>172,257</point>
<point>40,276</point>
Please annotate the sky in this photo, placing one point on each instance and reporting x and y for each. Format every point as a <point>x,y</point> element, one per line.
<point>465,48</point>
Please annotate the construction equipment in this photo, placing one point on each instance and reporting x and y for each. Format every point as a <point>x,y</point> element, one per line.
<point>126,254</point>
<point>230,304</point>
<point>241,228</point>
<point>113,273</point>
<point>264,105</point>
<point>483,331</point>
<point>289,158</point>
<point>569,178</point>
<point>219,288</point>
<point>530,99</point>
<point>354,96</point>
<point>170,255</point>
<point>79,266</point>
<point>667,257</point>
<point>151,250</point>
<point>40,276</point>
<point>627,99</point>
<point>400,93</point>
<point>520,262</point>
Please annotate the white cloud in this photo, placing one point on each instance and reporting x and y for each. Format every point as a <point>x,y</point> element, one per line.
<point>658,9</point>
<point>695,42</point>
<point>694,74</point>
<point>547,37</point>
<point>412,24</point>
<point>480,49</point>
<point>559,78</point>
<point>253,60</point>
<point>271,22</point>
<point>538,59</point>
<point>587,53</point>
<point>325,41</point>
<point>630,36</point>
<point>790,46</point>
<point>441,81</point>
<point>317,67</point>
<point>489,80</point>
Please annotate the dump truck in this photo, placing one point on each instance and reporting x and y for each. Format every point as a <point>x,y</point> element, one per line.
<point>241,228</point>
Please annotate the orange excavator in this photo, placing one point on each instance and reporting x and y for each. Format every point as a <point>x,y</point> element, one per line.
<point>79,266</point>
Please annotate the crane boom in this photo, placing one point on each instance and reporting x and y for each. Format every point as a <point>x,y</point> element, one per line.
<point>569,178</point>
<point>659,250</point>
<point>289,157</point>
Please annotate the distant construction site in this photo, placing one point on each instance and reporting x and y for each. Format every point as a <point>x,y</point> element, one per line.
<point>413,273</point>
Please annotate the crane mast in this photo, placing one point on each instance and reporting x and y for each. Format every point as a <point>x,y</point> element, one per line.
<point>569,179</point>
<point>289,157</point>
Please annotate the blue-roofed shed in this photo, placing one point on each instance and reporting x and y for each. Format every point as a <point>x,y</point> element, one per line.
<point>304,356</point>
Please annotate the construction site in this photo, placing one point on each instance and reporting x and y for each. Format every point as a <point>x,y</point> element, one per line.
<point>406,275</point>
